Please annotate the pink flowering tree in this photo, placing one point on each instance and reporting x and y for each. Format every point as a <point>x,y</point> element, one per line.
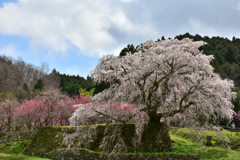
<point>236,119</point>
<point>66,108</point>
<point>50,108</point>
<point>170,81</point>
<point>51,100</point>
<point>29,115</point>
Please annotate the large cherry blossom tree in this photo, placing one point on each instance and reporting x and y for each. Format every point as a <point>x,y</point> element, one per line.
<point>168,81</point>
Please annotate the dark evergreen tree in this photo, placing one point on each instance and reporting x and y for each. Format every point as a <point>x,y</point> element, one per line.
<point>101,87</point>
<point>39,85</point>
<point>129,49</point>
<point>71,84</point>
<point>231,55</point>
<point>25,88</point>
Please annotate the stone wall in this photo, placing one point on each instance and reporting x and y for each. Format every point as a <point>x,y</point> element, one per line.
<point>49,142</point>
<point>48,139</point>
<point>73,137</point>
<point>6,137</point>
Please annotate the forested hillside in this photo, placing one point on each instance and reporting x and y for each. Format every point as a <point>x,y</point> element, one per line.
<point>18,78</point>
<point>71,84</point>
<point>23,81</point>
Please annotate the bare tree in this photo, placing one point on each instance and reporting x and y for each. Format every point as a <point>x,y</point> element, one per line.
<point>52,80</point>
<point>50,99</point>
<point>15,73</point>
<point>7,114</point>
<point>10,78</point>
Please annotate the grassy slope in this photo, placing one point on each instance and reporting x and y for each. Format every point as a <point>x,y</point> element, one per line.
<point>19,157</point>
<point>14,151</point>
<point>185,142</point>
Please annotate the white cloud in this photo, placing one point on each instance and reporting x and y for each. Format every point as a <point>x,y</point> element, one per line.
<point>105,27</point>
<point>74,70</point>
<point>69,24</point>
<point>127,0</point>
<point>238,6</point>
<point>9,50</point>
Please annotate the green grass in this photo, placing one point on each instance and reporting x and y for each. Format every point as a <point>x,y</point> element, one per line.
<point>14,147</point>
<point>4,156</point>
<point>185,142</point>
<point>14,151</point>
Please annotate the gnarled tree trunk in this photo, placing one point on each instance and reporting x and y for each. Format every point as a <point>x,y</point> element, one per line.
<point>156,138</point>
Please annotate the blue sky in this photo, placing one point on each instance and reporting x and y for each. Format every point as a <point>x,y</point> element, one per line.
<point>71,35</point>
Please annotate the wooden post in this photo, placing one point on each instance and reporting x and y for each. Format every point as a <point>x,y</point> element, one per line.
<point>209,139</point>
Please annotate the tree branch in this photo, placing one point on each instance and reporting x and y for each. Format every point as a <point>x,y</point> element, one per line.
<point>117,120</point>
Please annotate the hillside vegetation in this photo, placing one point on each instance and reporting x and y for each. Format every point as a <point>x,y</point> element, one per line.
<point>185,143</point>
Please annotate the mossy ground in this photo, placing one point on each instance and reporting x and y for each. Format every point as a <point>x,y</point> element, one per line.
<point>45,140</point>
<point>14,151</point>
<point>19,157</point>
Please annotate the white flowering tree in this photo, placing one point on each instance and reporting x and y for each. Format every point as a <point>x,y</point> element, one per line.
<point>167,81</point>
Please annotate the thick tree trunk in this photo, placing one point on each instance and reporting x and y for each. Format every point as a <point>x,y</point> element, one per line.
<point>156,138</point>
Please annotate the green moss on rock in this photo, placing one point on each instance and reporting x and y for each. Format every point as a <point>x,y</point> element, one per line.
<point>6,137</point>
<point>46,140</point>
<point>2,134</point>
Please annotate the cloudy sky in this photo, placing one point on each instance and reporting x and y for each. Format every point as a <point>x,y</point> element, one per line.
<point>71,35</point>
